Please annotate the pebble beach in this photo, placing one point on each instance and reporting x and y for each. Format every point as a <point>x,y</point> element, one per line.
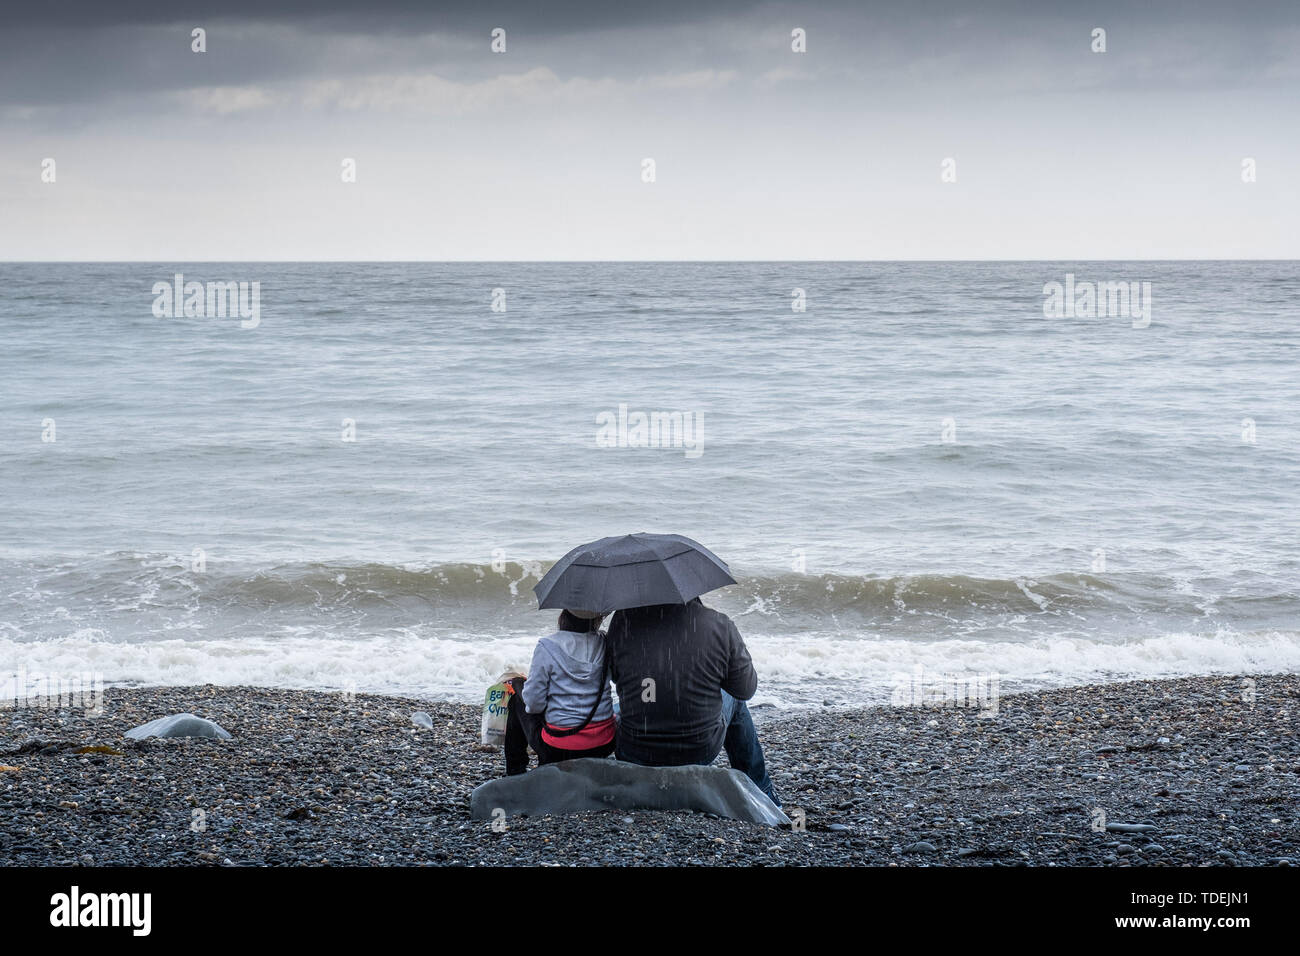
<point>1191,772</point>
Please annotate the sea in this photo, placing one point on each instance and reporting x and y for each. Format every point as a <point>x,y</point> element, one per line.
<point>349,476</point>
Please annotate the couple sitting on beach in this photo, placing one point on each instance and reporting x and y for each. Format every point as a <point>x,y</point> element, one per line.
<point>682,673</point>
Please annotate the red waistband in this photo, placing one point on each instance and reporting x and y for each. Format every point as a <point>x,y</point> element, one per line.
<point>595,734</point>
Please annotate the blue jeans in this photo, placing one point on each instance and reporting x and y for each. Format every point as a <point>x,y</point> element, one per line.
<point>741,744</point>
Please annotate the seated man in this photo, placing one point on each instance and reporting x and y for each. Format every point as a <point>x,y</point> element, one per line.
<point>683,675</point>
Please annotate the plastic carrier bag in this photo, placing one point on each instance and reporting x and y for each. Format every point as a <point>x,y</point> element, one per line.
<point>496,705</point>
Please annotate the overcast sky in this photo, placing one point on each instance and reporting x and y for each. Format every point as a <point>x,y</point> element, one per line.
<point>760,152</point>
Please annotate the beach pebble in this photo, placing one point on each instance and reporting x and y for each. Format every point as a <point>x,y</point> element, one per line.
<point>921,847</point>
<point>178,725</point>
<point>371,792</point>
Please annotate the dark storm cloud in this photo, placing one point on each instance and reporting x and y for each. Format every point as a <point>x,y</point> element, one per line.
<point>84,52</point>
<point>576,15</point>
<point>380,15</point>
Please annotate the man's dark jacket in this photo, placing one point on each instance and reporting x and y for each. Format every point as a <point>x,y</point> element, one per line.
<point>691,653</point>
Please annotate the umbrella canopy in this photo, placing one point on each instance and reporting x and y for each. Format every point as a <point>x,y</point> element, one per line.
<point>632,570</point>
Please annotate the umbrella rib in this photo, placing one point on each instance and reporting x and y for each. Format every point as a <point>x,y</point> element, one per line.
<point>673,577</point>
<point>628,564</point>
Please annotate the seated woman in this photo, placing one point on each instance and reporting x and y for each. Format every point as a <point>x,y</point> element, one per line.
<point>563,710</point>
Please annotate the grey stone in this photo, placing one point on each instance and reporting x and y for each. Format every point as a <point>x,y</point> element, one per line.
<point>178,725</point>
<point>921,847</point>
<point>591,784</point>
<point>1130,827</point>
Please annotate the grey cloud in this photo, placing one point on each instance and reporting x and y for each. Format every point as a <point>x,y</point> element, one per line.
<point>93,53</point>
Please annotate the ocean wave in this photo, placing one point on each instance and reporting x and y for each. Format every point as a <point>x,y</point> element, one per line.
<point>153,582</point>
<point>795,672</point>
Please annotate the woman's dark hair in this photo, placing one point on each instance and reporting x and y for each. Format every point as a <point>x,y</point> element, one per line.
<point>571,622</point>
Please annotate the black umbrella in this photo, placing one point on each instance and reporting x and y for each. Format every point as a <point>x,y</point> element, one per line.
<point>632,570</point>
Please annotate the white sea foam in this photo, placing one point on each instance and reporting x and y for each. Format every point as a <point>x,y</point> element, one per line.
<point>794,672</point>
